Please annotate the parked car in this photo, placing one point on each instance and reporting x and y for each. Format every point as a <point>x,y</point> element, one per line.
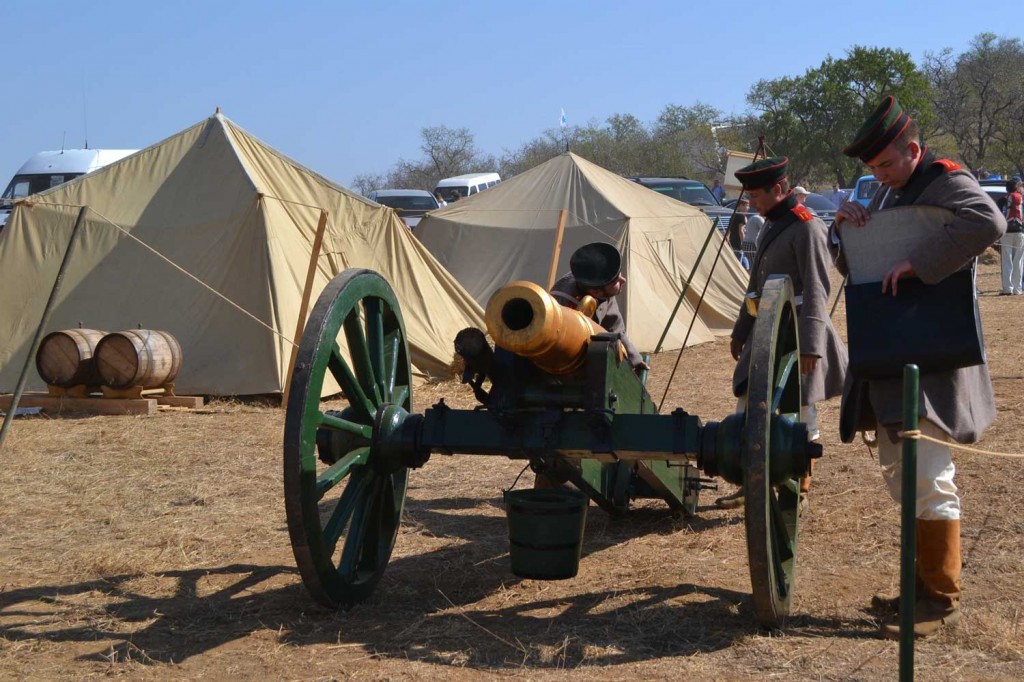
<point>462,186</point>
<point>997,191</point>
<point>865,189</point>
<point>692,192</point>
<point>409,204</point>
<point>824,208</point>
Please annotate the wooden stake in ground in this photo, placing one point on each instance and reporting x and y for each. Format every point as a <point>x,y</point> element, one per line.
<point>307,292</point>
<point>13,409</point>
<point>558,248</point>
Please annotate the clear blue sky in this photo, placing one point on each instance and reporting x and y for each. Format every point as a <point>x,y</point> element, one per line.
<point>345,87</point>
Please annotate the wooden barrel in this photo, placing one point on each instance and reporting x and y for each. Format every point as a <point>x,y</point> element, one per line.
<point>138,357</point>
<point>66,358</point>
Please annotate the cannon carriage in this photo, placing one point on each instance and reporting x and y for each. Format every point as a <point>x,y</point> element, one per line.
<point>561,397</point>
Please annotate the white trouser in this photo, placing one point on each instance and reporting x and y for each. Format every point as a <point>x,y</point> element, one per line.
<point>1011,249</point>
<point>936,491</point>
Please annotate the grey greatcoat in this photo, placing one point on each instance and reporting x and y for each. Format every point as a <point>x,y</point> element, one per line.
<point>960,402</point>
<point>607,314</point>
<point>797,246</point>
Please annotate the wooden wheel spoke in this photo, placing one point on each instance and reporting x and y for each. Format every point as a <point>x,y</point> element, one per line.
<point>783,544</point>
<point>340,469</point>
<point>347,504</point>
<point>392,347</point>
<point>355,394</point>
<point>400,394</point>
<point>786,364</point>
<point>359,351</point>
<point>373,307</point>
<point>330,421</point>
<point>361,517</point>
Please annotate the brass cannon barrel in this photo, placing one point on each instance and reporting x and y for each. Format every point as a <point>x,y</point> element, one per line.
<point>523,318</point>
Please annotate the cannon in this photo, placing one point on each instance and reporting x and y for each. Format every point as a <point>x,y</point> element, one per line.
<point>571,406</point>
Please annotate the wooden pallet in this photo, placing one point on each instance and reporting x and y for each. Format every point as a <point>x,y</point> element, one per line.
<point>103,400</point>
<point>55,405</point>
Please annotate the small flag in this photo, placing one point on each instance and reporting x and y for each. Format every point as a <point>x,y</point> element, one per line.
<point>563,121</point>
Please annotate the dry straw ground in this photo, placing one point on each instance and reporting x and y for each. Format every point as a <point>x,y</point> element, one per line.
<point>155,548</point>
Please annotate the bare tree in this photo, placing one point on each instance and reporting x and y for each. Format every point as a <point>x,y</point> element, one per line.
<point>975,94</point>
<point>364,183</point>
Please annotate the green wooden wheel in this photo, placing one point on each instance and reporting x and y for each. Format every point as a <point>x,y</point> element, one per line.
<point>344,506</point>
<point>771,494</point>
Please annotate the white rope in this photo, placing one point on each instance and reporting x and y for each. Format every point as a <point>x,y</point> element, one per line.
<point>915,434</point>
<point>179,269</point>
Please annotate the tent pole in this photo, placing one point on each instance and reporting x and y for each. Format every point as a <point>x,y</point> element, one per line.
<point>686,287</point>
<point>307,292</point>
<point>20,387</point>
<point>553,270</point>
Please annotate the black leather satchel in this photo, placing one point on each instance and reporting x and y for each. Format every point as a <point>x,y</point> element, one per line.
<point>935,326</point>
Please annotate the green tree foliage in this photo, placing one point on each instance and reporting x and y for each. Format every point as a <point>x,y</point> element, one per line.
<point>810,118</point>
<point>682,141</point>
<point>969,106</point>
<point>978,97</point>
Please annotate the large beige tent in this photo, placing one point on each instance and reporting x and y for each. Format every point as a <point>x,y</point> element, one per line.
<point>508,233</point>
<point>241,218</point>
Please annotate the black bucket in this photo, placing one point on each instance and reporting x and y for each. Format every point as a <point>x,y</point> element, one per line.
<point>545,532</point>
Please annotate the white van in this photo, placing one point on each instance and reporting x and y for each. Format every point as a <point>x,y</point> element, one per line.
<point>460,186</point>
<point>49,169</point>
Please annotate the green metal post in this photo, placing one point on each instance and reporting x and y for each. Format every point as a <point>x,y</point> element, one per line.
<point>646,357</point>
<point>686,287</point>
<point>908,530</point>
<point>16,398</point>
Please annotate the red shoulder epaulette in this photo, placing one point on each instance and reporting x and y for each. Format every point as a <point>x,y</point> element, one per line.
<point>950,166</point>
<point>801,212</point>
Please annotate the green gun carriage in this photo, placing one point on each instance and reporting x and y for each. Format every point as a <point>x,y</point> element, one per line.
<point>593,427</point>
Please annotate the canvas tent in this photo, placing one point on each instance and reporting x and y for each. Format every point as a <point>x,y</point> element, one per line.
<point>242,218</point>
<point>508,233</point>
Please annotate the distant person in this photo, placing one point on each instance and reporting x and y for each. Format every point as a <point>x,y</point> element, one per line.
<point>754,230</point>
<point>801,195</point>
<point>1011,244</point>
<point>718,190</point>
<point>736,231</point>
<point>453,196</point>
<point>837,196</point>
<point>440,199</point>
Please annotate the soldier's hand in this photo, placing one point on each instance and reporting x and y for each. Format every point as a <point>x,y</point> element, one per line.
<point>735,347</point>
<point>808,363</point>
<point>852,212</point>
<point>898,272</point>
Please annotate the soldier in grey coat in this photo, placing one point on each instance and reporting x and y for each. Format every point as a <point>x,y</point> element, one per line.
<point>957,404</point>
<point>793,243</point>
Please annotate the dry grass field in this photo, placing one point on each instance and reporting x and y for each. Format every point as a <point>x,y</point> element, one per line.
<point>156,548</point>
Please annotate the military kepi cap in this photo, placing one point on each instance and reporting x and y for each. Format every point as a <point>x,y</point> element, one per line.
<point>883,126</point>
<point>763,173</point>
<point>595,265</point>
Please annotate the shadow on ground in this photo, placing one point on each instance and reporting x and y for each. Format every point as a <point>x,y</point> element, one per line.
<point>426,607</point>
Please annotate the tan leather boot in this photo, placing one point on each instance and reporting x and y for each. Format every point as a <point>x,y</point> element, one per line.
<point>805,490</point>
<point>938,569</point>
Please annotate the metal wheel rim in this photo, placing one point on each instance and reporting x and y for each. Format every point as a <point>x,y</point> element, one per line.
<point>342,559</point>
<point>771,512</point>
